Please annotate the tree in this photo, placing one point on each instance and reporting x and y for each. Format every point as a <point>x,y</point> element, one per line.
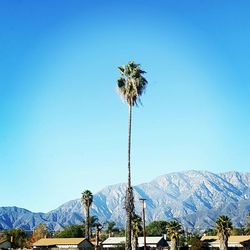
<point>136,229</point>
<point>248,224</point>
<point>110,227</point>
<point>156,228</point>
<point>174,230</point>
<point>87,199</point>
<point>223,227</point>
<point>131,85</point>
<point>98,228</point>
<point>241,230</point>
<point>39,232</point>
<point>195,242</point>
<point>211,232</point>
<point>93,222</point>
<point>72,231</point>
<point>16,236</point>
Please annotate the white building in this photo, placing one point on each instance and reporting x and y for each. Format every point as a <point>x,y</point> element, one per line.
<point>157,242</point>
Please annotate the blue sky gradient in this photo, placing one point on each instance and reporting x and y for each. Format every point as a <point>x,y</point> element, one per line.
<point>63,128</point>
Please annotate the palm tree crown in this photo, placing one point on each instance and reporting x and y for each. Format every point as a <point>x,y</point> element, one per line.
<point>87,198</point>
<point>174,229</point>
<point>223,227</point>
<point>132,84</point>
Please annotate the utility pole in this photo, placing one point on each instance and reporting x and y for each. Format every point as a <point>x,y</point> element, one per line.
<point>143,221</point>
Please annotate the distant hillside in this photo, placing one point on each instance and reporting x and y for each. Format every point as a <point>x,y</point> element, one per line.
<point>195,198</point>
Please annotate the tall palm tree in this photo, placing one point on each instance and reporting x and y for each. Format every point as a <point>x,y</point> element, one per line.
<point>136,229</point>
<point>223,226</point>
<point>131,85</point>
<point>174,230</point>
<point>87,199</point>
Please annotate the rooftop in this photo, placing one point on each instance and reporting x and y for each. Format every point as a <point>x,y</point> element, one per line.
<point>58,241</point>
<point>231,239</point>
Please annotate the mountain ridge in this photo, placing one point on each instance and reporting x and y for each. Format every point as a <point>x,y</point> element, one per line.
<point>194,197</point>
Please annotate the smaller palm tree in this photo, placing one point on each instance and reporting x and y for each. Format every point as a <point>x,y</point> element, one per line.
<point>223,227</point>
<point>87,199</point>
<point>93,221</point>
<point>110,227</point>
<point>174,230</point>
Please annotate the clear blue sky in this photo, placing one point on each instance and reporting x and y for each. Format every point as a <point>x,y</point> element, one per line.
<point>63,128</point>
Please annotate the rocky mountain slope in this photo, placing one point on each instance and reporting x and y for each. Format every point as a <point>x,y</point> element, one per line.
<point>196,198</point>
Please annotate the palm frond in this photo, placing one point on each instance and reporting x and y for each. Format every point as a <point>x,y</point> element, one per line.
<point>122,69</point>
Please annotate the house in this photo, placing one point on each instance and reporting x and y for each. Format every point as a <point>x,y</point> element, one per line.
<point>151,242</point>
<point>5,244</point>
<point>234,242</point>
<point>76,243</point>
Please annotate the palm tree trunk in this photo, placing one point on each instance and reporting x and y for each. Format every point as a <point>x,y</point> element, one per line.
<point>129,193</point>
<point>97,238</point>
<point>87,229</point>
<point>129,144</point>
<point>88,224</point>
<point>134,242</point>
<point>223,244</point>
<point>173,244</point>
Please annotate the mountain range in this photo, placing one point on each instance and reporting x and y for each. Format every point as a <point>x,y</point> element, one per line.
<point>195,198</point>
